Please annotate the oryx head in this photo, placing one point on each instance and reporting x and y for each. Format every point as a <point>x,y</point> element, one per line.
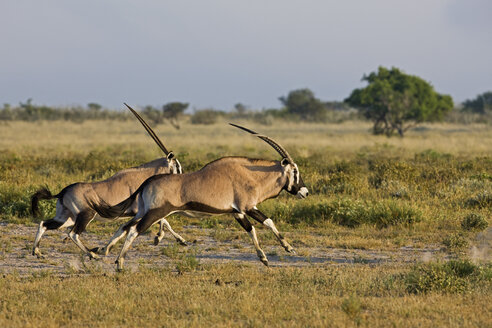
<point>174,164</point>
<point>294,183</point>
<point>172,161</point>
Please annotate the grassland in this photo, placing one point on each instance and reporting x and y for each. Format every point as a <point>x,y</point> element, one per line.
<point>430,191</point>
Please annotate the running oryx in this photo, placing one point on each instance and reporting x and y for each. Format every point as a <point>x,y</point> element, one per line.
<point>76,202</point>
<point>232,185</point>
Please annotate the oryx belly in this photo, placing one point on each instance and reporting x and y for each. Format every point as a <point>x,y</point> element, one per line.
<point>196,214</point>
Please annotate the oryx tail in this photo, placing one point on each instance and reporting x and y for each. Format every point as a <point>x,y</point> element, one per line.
<point>43,193</point>
<point>107,211</point>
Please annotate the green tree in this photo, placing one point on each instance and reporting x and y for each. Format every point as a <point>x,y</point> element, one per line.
<point>396,101</point>
<point>94,106</point>
<point>172,111</point>
<point>481,104</point>
<point>304,104</point>
<point>240,109</point>
<point>153,114</point>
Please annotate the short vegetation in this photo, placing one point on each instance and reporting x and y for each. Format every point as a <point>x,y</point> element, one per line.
<point>427,195</point>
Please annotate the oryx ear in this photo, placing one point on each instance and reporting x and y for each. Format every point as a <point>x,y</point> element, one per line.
<point>170,155</point>
<point>284,162</point>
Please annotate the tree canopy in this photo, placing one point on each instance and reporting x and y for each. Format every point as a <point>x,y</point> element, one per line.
<point>172,111</point>
<point>481,103</point>
<point>303,103</point>
<point>396,101</point>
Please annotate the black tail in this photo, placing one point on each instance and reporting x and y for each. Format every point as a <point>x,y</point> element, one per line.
<point>107,211</point>
<point>43,193</point>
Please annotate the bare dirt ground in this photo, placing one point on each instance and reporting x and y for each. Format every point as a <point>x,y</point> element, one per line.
<point>63,257</point>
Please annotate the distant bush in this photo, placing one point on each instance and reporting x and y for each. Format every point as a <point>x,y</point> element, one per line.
<point>263,118</point>
<point>480,104</point>
<point>205,116</point>
<point>474,221</point>
<point>31,112</point>
<point>455,276</point>
<point>465,117</point>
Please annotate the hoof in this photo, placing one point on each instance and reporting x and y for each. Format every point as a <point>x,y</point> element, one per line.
<point>119,265</point>
<point>264,261</point>
<point>182,242</point>
<point>290,249</point>
<point>96,250</point>
<point>105,251</point>
<point>93,256</point>
<point>36,252</point>
<point>156,240</point>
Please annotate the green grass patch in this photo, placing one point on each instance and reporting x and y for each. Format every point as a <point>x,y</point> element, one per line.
<point>455,276</point>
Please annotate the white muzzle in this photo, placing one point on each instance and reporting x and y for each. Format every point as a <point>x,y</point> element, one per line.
<point>303,192</point>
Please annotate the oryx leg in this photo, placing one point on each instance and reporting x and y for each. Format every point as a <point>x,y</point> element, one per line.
<point>243,221</point>
<point>120,233</point>
<point>262,218</point>
<point>81,222</point>
<point>62,219</point>
<point>160,234</point>
<point>164,223</point>
<point>134,228</point>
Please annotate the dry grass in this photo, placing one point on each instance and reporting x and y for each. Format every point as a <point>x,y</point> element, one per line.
<point>231,295</point>
<point>341,140</point>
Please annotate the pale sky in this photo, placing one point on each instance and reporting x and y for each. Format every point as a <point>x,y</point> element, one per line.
<point>214,53</point>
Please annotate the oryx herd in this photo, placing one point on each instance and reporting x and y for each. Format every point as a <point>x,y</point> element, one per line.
<point>152,191</point>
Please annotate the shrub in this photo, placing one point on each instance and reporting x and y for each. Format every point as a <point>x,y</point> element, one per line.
<point>188,263</point>
<point>206,116</point>
<point>263,118</point>
<point>384,172</point>
<point>474,221</point>
<point>389,213</point>
<point>352,308</point>
<point>455,276</point>
<point>336,183</point>
<point>455,241</point>
<point>14,202</point>
<point>481,200</point>
<point>343,212</point>
<point>351,213</point>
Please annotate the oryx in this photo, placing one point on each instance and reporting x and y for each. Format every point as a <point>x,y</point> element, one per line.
<point>232,185</point>
<point>75,205</point>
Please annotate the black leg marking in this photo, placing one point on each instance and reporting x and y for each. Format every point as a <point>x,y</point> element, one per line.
<point>52,224</point>
<point>82,220</point>
<point>262,218</point>
<point>150,218</point>
<point>244,223</point>
<point>257,215</point>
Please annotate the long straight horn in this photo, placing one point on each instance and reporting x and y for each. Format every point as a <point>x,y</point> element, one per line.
<point>281,150</point>
<point>149,130</point>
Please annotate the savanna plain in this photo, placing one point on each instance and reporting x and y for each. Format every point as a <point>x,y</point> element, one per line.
<point>395,232</point>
